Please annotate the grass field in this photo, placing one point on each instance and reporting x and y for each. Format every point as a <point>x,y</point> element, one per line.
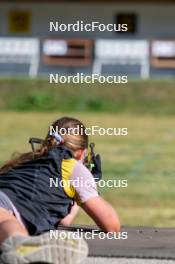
<point>155,97</point>
<point>146,158</point>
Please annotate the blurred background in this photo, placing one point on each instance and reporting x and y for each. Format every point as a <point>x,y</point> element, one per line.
<point>146,105</point>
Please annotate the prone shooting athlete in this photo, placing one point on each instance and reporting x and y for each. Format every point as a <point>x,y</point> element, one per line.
<point>29,207</point>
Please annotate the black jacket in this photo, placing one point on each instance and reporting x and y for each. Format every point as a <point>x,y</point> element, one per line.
<point>28,187</point>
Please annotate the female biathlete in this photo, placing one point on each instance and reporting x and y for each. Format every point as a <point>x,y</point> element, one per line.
<point>30,206</point>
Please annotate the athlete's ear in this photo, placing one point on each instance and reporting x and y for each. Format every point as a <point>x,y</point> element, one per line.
<point>80,154</point>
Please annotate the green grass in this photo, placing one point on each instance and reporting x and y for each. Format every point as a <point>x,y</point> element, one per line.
<point>145,97</point>
<point>145,158</point>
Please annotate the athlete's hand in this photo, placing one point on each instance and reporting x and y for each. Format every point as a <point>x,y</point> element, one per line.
<point>67,220</point>
<point>96,169</point>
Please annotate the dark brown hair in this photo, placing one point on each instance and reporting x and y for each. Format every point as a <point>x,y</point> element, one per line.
<point>72,141</point>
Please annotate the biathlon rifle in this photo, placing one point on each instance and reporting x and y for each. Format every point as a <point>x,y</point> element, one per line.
<point>93,162</point>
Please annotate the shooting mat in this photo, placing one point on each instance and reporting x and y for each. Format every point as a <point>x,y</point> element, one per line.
<point>142,242</point>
